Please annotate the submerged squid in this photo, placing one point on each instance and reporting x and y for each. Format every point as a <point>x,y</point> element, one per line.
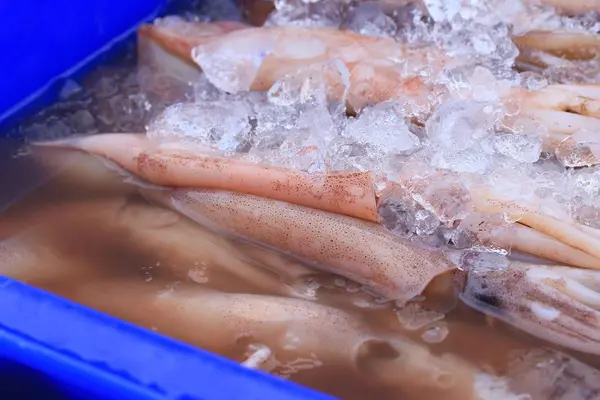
<point>276,331</point>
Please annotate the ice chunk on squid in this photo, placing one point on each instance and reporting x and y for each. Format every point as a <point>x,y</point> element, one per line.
<point>227,323</point>
<point>360,250</point>
<point>555,303</point>
<point>180,36</point>
<point>544,373</point>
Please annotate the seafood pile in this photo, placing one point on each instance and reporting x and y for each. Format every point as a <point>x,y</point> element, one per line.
<point>412,152</point>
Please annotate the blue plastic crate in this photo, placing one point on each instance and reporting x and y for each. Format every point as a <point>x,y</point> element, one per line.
<point>52,348</point>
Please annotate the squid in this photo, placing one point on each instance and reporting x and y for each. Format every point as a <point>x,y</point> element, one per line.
<point>556,303</point>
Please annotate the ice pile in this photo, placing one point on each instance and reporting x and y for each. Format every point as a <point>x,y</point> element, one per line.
<point>224,123</point>
<point>468,126</point>
<point>368,17</point>
<point>109,100</point>
<point>297,124</point>
<point>308,13</point>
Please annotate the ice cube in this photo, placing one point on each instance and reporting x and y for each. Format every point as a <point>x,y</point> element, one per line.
<point>446,199</point>
<point>413,23</point>
<point>106,86</point>
<point>548,182</point>
<point>414,316</point>
<point>357,157</point>
<point>270,117</point>
<point>436,333</point>
<point>69,88</point>
<point>443,11</point>
<point>522,147</point>
<point>50,128</point>
<point>425,223</point>
<point>82,121</point>
<point>587,214</point>
<point>532,81</point>
<point>587,182</point>
<point>475,83</point>
<point>316,84</point>
<point>478,231</point>
<point>483,44</point>
<point>204,90</point>
<point>584,190</point>
<point>580,149</point>
<point>224,124</point>
<point>398,216</point>
<point>375,140</point>
<point>302,150</point>
<point>294,137</point>
<point>231,63</point>
<point>485,87</point>
<point>383,126</point>
<point>369,19</point>
<point>314,13</point>
<point>458,124</point>
<point>473,160</point>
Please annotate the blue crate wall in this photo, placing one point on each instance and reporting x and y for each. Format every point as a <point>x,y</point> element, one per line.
<point>42,42</point>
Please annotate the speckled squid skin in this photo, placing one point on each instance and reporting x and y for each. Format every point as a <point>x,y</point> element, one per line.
<point>360,250</point>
